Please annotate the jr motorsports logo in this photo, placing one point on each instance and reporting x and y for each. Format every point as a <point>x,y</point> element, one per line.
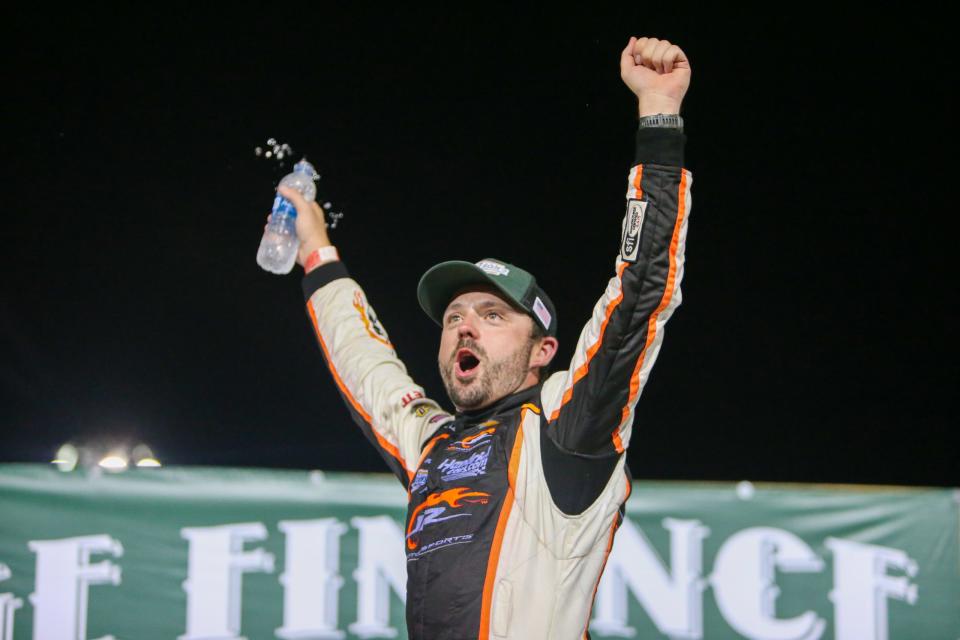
<point>434,509</point>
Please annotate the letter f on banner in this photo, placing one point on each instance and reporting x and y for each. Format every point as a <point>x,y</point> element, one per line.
<point>63,574</point>
<point>216,566</point>
<point>862,586</point>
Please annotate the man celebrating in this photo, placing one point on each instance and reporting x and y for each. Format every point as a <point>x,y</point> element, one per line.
<point>514,499</point>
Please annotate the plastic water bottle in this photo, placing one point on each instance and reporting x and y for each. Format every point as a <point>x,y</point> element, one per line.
<point>278,248</point>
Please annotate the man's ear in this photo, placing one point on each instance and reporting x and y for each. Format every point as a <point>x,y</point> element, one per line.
<point>543,353</point>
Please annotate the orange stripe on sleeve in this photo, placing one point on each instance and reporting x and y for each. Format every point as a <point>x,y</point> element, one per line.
<point>664,302</point>
<point>494,557</point>
<point>387,445</point>
<point>592,351</point>
<point>636,183</point>
<point>582,370</point>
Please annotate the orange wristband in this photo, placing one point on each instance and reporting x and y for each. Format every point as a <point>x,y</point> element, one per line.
<point>320,256</point>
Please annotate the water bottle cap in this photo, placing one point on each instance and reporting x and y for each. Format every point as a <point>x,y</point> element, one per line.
<point>305,167</point>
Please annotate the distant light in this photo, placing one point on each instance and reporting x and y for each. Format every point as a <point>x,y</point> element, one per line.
<point>66,458</point>
<point>144,456</point>
<point>113,463</point>
<point>745,490</point>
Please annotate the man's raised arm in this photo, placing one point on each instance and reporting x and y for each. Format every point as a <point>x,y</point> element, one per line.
<point>390,408</point>
<point>589,408</point>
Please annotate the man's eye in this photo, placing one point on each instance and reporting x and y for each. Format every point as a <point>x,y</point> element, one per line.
<point>493,315</point>
<point>453,317</point>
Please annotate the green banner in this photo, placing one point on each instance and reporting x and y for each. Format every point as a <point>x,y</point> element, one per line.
<point>204,553</point>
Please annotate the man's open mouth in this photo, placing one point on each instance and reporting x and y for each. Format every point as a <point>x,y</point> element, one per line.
<point>467,363</point>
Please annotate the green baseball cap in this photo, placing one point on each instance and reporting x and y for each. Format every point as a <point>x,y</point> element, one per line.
<point>441,283</point>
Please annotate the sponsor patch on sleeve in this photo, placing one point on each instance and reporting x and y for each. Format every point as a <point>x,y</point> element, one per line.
<point>632,227</point>
<point>409,397</point>
<point>422,410</point>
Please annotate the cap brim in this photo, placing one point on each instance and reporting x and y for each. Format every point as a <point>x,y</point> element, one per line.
<point>441,283</point>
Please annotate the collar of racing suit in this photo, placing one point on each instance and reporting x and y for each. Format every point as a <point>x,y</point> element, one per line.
<point>467,419</point>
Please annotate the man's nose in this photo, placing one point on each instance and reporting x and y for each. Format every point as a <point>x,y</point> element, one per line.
<point>467,327</point>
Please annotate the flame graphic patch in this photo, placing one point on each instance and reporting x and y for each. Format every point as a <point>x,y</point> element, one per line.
<point>471,442</point>
<point>369,318</point>
<point>430,510</point>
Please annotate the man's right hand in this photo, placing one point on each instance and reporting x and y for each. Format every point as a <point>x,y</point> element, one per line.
<point>311,224</point>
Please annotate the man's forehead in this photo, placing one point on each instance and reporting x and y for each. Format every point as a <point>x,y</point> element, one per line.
<point>478,294</point>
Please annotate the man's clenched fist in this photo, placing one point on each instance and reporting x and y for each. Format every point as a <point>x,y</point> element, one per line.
<point>658,72</point>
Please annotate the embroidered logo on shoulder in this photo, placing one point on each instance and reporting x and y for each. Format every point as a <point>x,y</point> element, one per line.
<point>493,268</point>
<point>632,227</point>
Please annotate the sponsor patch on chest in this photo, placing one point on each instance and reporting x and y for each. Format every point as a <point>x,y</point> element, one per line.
<point>439,508</point>
<point>419,481</point>
<point>472,442</point>
<point>632,228</point>
<point>475,465</point>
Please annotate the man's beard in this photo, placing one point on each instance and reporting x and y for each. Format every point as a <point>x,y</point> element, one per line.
<point>496,379</point>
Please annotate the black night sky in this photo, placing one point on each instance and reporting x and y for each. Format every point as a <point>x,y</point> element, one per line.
<point>815,342</point>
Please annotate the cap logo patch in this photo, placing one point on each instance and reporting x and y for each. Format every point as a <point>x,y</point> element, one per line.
<point>540,310</point>
<point>632,226</point>
<point>493,268</point>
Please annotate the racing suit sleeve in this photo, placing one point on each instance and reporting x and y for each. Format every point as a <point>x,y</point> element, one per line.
<point>589,409</point>
<point>390,408</point>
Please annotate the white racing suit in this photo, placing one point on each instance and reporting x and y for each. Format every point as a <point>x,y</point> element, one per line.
<point>513,508</point>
